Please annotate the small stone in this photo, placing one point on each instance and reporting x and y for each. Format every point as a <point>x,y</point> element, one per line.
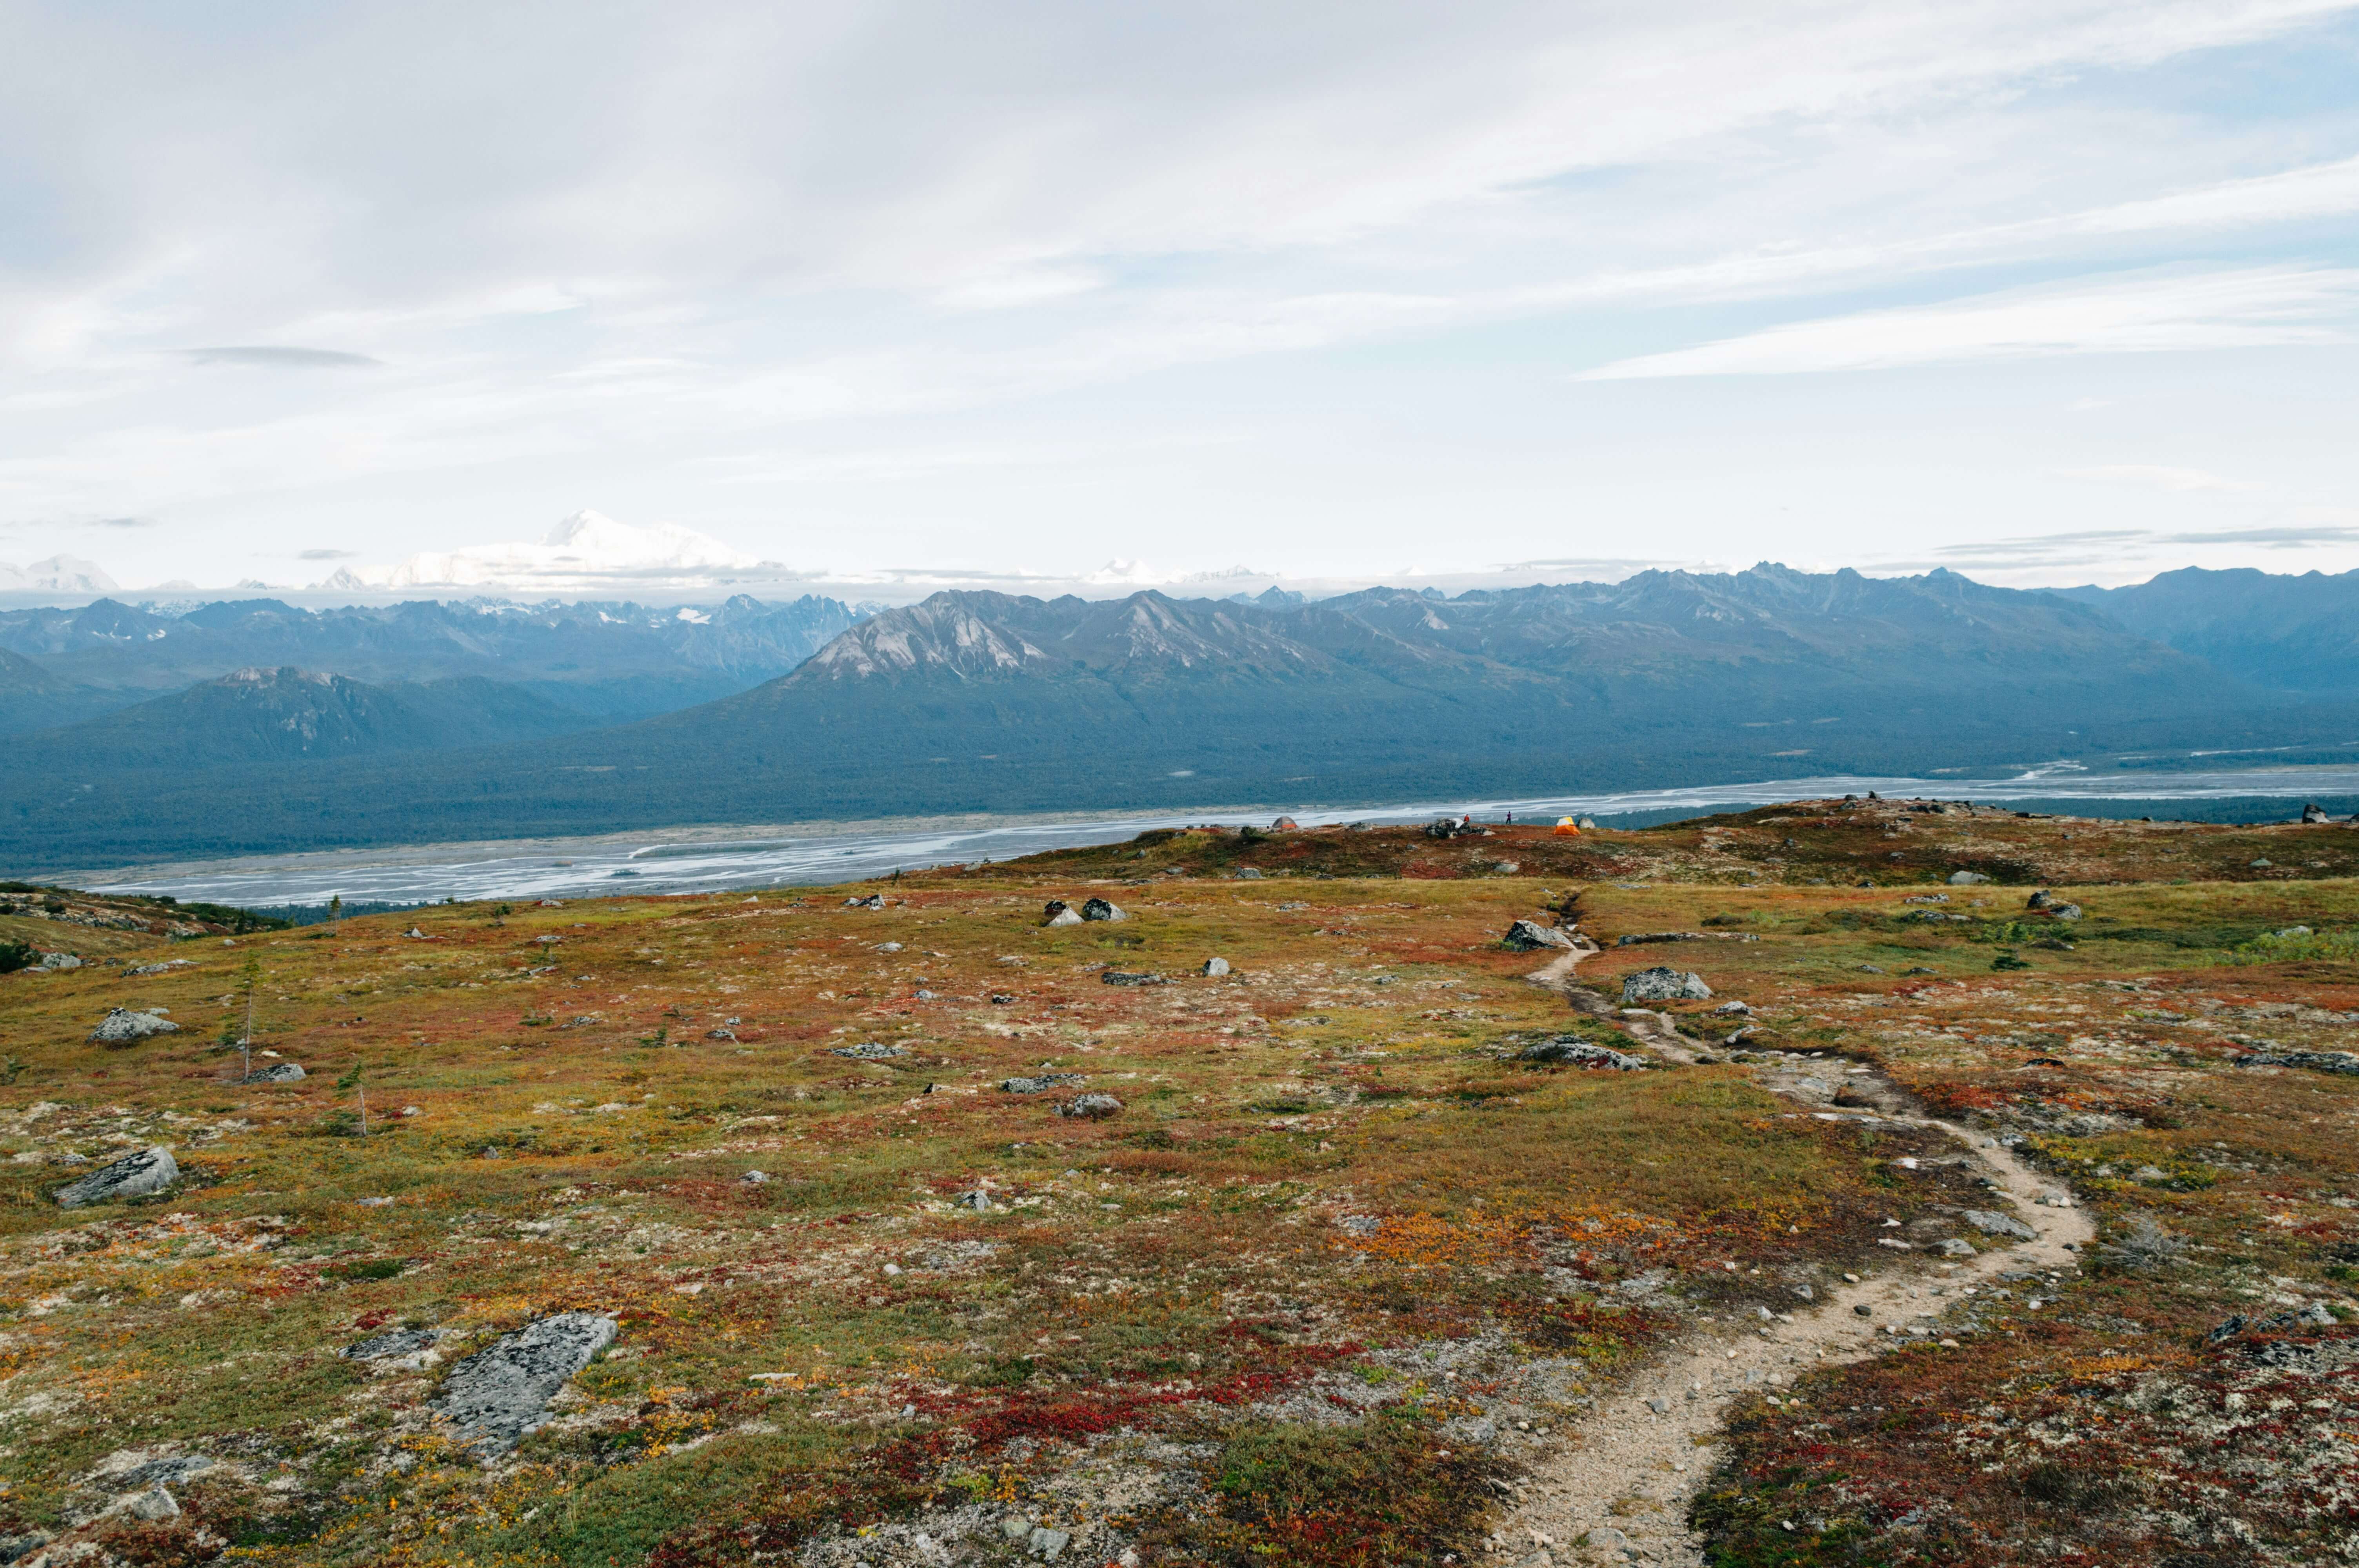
<point>2262,864</point>
<point>755,1178</point>
<point>1015,1526</point>
<point>1864,1310</point>
<point>133,1175</point>
<point>721,1034</point>
<point>1958,1247</point>
<point>1216,967</point>
<point>1047,1543</point>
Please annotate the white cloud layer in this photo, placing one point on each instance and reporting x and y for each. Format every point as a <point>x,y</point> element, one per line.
<point>887,287</point>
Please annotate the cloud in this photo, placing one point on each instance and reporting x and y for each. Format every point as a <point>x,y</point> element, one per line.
<point>2163,478</point>
<point>279,358</point>
<point>2247,308</point>
<point>328,556</point>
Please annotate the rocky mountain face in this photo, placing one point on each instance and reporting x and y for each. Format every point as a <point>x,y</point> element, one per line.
<point>255,715</point>
<point>610,663</point>
<point>2290,633</point>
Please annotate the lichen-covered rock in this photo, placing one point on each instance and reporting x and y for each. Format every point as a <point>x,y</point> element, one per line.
<point>1132,978</point>
<point>404,1346</point>
<point>497,1395</point>
<point>1568,1048</point>
<point>276,1072</point>
<point>2316,1061</point>
<point>1216,965</point>
<point>133,1175</point>
<point>1525,935</point>
<point>1039,1085</point>
<point>125,1026</point>
<point>1093,1107</point>
<point>1663,983</point>
<point>870,1051</point>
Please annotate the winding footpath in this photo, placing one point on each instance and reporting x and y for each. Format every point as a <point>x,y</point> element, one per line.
<point>1617,1486</point>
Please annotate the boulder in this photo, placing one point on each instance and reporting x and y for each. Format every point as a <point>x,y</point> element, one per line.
<point>1130,977</point>
<point>1042,1084</point>
<point>1093,1107</point>
<point>276,1072</point>
<point>1587,824</point>
<point>2040,900</point>
<point>870,1051</point>
<point>1663,983</point>
<point>133,1175</point>
<point>1736,1008</point>
<point>1099,909</point>
<point>1990,1222</point>
<point>1249,873</point>
<point>59,961</point>
<point>1525,935</point>
<point>125,1027</point>
<point>1579,1053</point>
<point>2063,911</point>
<point>497,1395</point>
<point>1966,879</point>
<point>1216,965</point>
<point>873,901</point>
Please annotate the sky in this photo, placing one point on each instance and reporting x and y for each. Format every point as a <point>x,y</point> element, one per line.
<point>2043,291</point>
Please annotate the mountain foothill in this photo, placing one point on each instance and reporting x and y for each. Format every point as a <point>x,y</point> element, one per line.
<point>140,733</point>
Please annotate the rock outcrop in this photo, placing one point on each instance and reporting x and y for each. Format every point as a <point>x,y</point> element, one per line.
<point>133,1175</point>
<point>497,1395</point>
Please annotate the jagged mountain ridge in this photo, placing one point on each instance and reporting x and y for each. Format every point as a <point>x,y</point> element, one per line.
<point>1658,626</point>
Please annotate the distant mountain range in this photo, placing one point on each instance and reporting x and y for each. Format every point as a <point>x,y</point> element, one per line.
<point>431,721</point>
<point>600,663</point>
<point>2290,633</point>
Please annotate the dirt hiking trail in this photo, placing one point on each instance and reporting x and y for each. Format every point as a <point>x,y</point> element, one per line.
<point>1617,1485</point>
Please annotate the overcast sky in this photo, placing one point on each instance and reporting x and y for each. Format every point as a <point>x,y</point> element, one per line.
<point>2044,290</point>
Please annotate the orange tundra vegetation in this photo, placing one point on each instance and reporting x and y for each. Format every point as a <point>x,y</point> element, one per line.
<point>1335,1274</point>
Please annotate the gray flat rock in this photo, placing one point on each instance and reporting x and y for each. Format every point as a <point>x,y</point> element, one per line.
<point>133,1175</point>
<point>498,1394</point>
<point>1990,1222</point>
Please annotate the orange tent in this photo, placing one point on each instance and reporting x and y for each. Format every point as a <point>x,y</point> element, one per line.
<point>1566,829</point>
